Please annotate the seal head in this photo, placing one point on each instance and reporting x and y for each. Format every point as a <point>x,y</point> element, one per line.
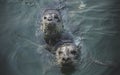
<point>67,54</point>
<point>52,26</point>
<point>51,22</point>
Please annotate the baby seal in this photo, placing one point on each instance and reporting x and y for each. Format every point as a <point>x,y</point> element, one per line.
<point>52,26</point>
<point>67,53</point>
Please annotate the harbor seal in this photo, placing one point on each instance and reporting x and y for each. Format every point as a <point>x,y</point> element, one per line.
<point>59,41</point>
<point>52,26</point>
<point>67,53</point>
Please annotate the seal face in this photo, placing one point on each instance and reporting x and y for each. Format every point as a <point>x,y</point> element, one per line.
<point>67,54</point>
<point>52,26</point>
<point>51,22</point>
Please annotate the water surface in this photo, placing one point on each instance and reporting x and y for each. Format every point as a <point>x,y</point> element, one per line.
<point>96,22</point>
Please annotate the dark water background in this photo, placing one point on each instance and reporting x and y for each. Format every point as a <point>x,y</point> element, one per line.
<point>97,22</point>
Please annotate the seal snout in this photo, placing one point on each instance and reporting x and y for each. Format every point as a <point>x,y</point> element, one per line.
<point>49,19</point>
<point>66,60</point>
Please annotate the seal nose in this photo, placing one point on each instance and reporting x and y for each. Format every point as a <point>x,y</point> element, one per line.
<point>49,19</point>
<point>66,59</point>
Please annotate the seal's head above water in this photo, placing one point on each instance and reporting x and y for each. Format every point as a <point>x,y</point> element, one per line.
<point>67,53</point>
<point>52,26</point>
<point>51,22</point>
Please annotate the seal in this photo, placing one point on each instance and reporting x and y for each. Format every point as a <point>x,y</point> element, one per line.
<point>67,53</point>
<point>59,41</point>
<point>52,26</point>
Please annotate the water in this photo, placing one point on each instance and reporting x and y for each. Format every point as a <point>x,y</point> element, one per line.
<point>95,22</point>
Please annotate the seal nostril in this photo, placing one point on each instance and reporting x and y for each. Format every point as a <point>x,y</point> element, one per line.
<point>63,59</point>
<point>49,19</point>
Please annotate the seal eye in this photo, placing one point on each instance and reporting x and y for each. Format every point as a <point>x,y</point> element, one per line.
<point>45,17</point>
<point>73,52</point>
<point>60,52</point>
<point>56,17</point>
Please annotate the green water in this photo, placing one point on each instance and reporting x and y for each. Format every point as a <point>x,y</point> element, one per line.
<point>95,21</point>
